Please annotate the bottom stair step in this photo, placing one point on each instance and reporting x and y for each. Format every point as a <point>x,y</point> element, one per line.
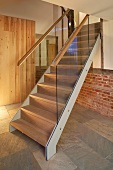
<point>33,132</point>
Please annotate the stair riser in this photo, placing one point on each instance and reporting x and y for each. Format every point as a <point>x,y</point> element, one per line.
<point>85,32</point>
<point>37,121</point>
<point>83,44</point>
<point>85,38</point>
<point>60,81</point>
<point>91,27</point>
<point>78,53</point>
<point>45,105</point>
<point>52,92</point>
<point>70,61</point>
<point>65,71</point>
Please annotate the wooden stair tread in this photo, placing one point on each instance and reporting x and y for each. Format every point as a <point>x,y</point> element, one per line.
<point>92,29</point>
<point>69,66</point>
<point>40,113</point>
<point>83,41</point>
<point>94,34</point>
<point>30,130</point>
<point>71,57</point>
<point>50,85</point>
<point>82,48</point>
<point>47,98</point>
<point>61,76</point>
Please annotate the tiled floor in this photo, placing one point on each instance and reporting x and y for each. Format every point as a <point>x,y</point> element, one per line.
<point>6,114</point>
<point>86,144</point>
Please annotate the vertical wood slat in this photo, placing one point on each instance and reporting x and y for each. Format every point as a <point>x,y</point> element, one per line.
<point>23,85</point>
<point>17,56</point>
<point>33,58</point>
<point>14,43</point>
<point>6,23</point>
<point>28,61</point>
<point>11,58</point>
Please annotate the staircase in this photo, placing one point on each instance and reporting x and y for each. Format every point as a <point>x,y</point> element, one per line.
<point>40,117</point>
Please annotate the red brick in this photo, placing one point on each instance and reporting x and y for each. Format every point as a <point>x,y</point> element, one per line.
<point>97,93</point>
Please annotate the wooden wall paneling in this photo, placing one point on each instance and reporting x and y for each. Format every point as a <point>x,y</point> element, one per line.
<point>51,53</point>
<point>6,23</point>
<point>33,58</point>
<point>1,36</point>
<point>12,24</point>
<point>17,56</point>
<point>1,23</point>
<point>11,68</point>
<point>40,55</point>
<point>4,67</point>
<point>1,58</point>
<point>28,62</point>
<point>16,38</point>
<point>23,66</point>
<point>13,31</point>
<point>10,58</point>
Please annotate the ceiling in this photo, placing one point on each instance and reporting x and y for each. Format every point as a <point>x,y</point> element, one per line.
<point>28,9</point>
<point>102,9</point>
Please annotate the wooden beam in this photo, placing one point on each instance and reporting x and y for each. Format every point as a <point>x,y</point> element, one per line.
<point>102,51</point>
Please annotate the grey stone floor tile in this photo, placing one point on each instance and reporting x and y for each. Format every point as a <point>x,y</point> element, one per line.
<point>75,148</point>
<point>92,161</point>
<point>68,142</point>
<point>78,108</point>
<point>33,146</point>
<point>100,144</point>
<point>4,113</point>
<point>22,160</point>
<point>82,118</point>
<point>76,152</point>
<point>58,162</point>
<point>109,167</point>
<point>13,112</point>
<point>101,128</point>
<point>110,158</point>
<point>86,159</point>
<point>13,106</point>
<point>99,117</point>
<point>4,125</point>
<point>10,144</point>
<point>107,121</point>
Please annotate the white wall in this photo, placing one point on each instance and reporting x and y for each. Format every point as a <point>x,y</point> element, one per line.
<point>97,58</point>
<point>44,17</point>
<point>92,19</point>
<point>108,44</point>
<point>37,10</point>
<point>76,18</point>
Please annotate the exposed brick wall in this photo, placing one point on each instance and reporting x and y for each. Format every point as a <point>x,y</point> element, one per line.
<point>97,92</point>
